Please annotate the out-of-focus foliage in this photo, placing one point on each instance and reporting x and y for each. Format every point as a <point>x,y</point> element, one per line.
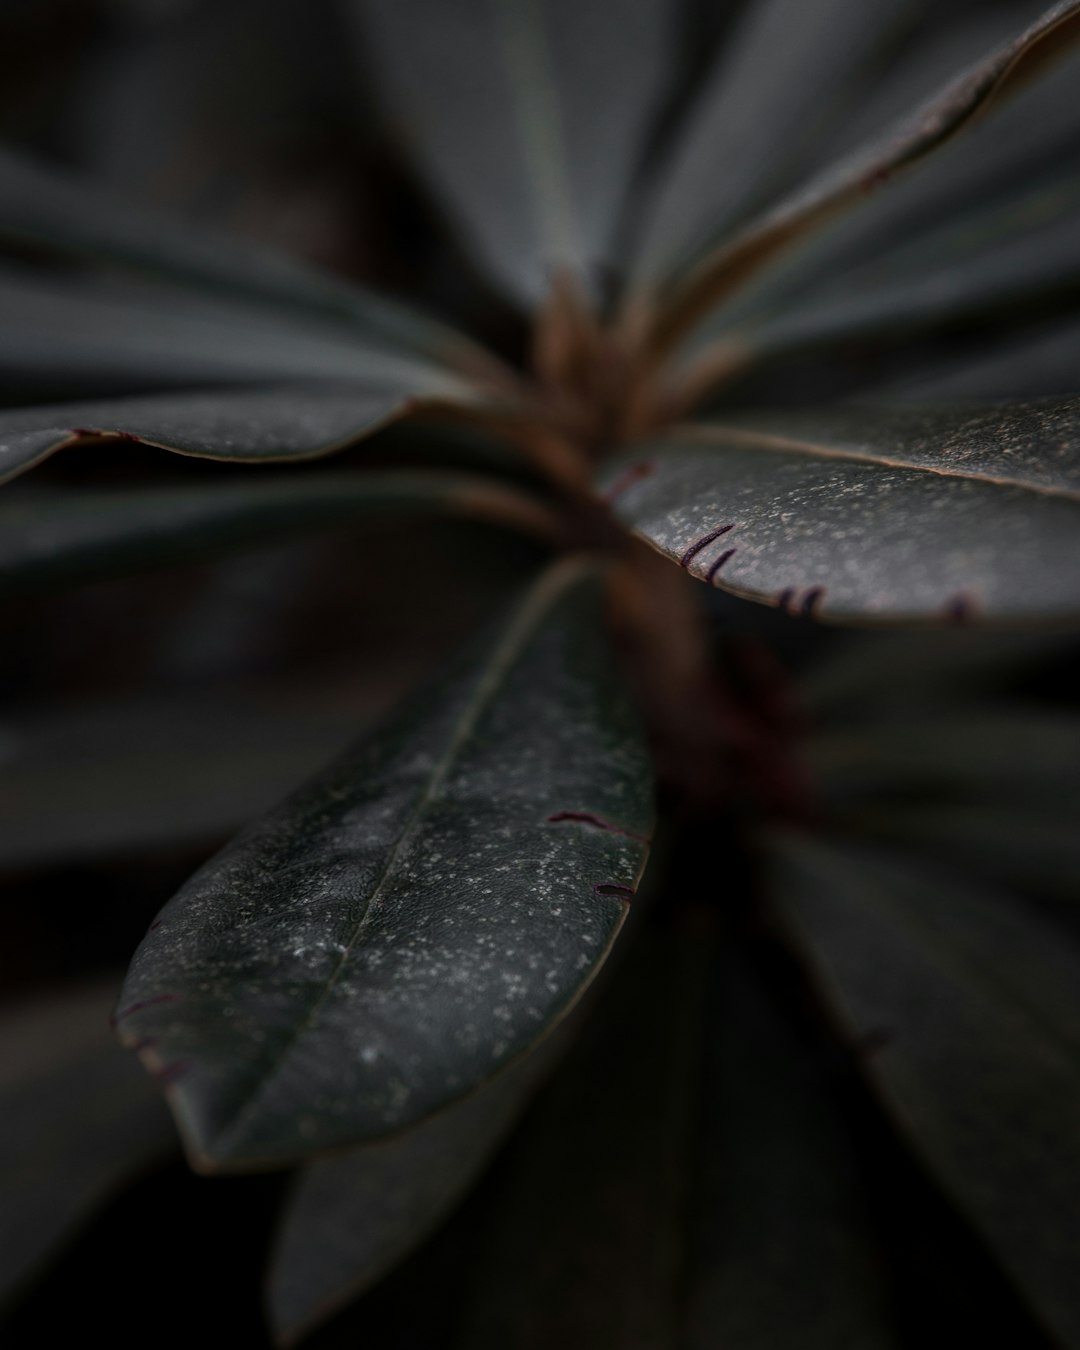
<point>332,333</point>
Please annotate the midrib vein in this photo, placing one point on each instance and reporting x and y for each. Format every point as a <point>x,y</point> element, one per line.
<point>503,659</point>
<point>539,121</point>
<point>760,440</point>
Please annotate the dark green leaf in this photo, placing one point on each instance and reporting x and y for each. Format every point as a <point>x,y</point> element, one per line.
<point>867,169</point>
<point>1028,844</point>
<point>971,1003</point>
<point>585,1244</point>
<point>182,770</point>
<point>887,674</point>
<point>981,753</point>
<point>297,421</point>
<point>352,1217</point>
<point>1025,250</point>
<point>930,48</point>
<point>61,335</point>
<point>49,535</point>
<point>527,116</point>
<point>781,1252</point>
<point>75,1122</point>
<point>955,210</point>
<point>870,513</point>
<point>789,68</point>
<point>416,917</point>
<point>1038,362</point>
<point>41,205</point>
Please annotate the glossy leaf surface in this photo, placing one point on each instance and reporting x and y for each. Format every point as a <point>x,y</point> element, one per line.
<point>417,916</point>
<point>301,421</point>
<point>876,514</point>
<point>971,1001</point>
<point>48,536</point>
<point>528,116</point>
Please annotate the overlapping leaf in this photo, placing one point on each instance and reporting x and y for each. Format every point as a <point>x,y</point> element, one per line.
<point>68,334</point>
<point>1020,252</point>
<point>51,536</point>
<point>115,777</point>
<point>970,1001</point>
<point>925,673</point>
<point>959,996</point>
<point>279,422</point>
<point>42,206</point>
<point>783,1251</point>
<point>864,513</point>
<point>416,917</point>
<point>657,1195</point>
<point>528,116</point>
<point>353,1216</point>
<point>1037,361</point>
<point>586,1241</point>
<point>1001,178</point>
<point>787,72</point>
<point>866,169</point>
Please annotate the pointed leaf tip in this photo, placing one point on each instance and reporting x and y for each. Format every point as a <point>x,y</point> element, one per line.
<point>412,920</point>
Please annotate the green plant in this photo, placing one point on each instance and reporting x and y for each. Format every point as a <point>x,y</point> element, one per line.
<point>366,981</point>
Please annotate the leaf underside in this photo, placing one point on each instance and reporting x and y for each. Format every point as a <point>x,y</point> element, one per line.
<point>415,918</point>
<point>286,422</point>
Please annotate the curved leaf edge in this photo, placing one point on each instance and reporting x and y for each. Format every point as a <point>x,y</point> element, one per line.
<point>264,512</point>
<point>223,1156</point>
<point>866,171</point>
